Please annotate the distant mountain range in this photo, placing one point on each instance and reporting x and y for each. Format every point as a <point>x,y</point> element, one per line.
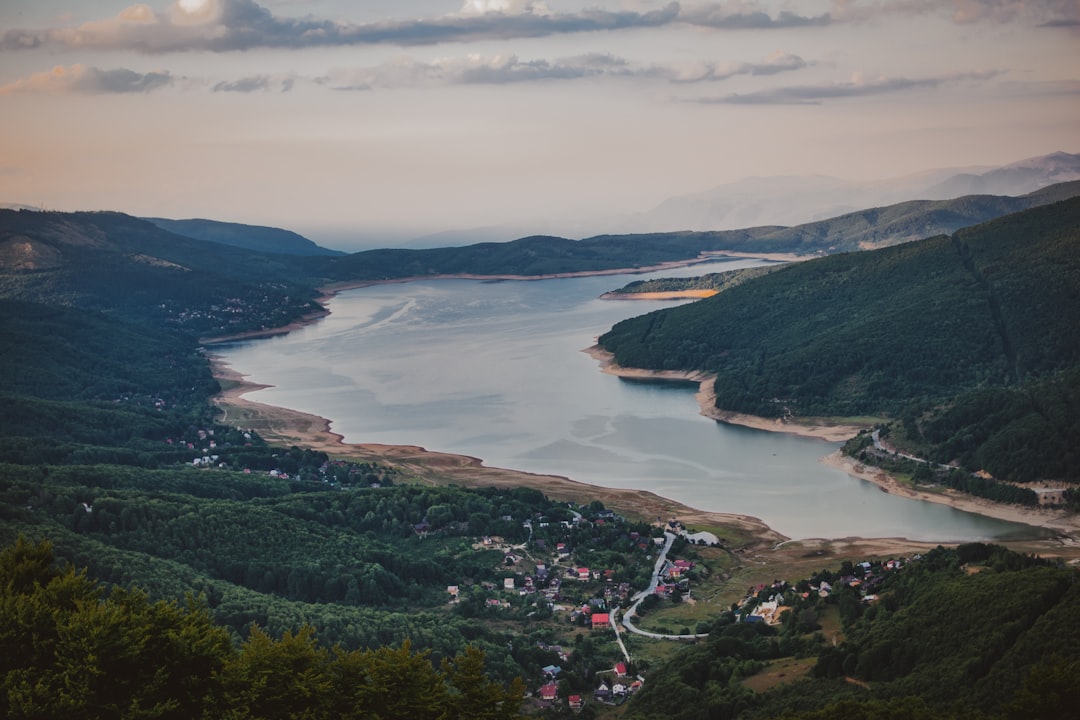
<point>801,199</point>
<point>43,252</point>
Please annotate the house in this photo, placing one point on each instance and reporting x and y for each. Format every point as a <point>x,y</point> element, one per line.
<point>583,573</point>
<point>575,702</point>
<point>602,693</point>
<point>601,621</point>
<point>453,590</point>
<point>549,691</point>
<point>508,583</point>
<point>769,612</point>
<point>620,669</point>
<point>552,671</point>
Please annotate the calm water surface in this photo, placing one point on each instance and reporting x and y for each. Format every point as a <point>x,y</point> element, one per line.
<point>496,370</point>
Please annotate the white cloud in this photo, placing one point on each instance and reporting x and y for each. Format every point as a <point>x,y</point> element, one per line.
<point>499,69</point>
<point>858,86</point>
<point>508,7</point>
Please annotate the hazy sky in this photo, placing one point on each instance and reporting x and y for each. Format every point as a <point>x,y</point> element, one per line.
<point>410,116</point>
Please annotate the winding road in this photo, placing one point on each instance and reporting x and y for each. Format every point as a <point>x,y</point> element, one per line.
<point>641,595</point>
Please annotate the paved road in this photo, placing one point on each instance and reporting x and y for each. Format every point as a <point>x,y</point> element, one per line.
<point>670,538</point>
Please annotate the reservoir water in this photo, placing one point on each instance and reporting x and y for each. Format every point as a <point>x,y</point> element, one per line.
<point>495,370</point>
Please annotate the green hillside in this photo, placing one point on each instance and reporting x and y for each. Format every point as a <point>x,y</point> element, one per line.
<point>975,632</point>
<point>251,237</point>
<point>902,331</point>
<point>913,220</point>
<point>130,268</point>
<point>109,449</point>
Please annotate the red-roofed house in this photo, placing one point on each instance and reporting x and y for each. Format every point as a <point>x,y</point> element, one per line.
<point>575,702</point>
<point>549,691</point>
<point>601,621</point>
<point>620,669</point>
<point>583,573</point>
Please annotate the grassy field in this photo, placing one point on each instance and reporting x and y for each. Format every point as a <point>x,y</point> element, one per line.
<point>778,672</point>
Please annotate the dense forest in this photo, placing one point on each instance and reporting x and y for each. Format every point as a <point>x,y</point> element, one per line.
<point>718,281</point>
<point>968,339</point>
<point>71,649</point>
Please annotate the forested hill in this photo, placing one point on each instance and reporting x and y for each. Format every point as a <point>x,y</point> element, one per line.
<point>251,237</point>
<point>907,221</point>
<point>944,333</point>
<point>130,268</point>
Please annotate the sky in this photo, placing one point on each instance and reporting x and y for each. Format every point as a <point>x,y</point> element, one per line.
<point>380,120</point>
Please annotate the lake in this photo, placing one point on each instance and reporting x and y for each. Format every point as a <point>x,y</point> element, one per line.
<point>495,370</point>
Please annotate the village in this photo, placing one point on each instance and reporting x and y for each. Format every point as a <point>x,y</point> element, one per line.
<point>555,574</point>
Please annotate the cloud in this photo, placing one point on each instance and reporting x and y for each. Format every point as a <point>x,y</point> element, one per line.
<point>229,25</point>
<point>1042,13</point>
<point>236,25</point>
<point>514,7</point>
<point>745,16</point>
<point>88,80</point>
<point>256,83</point>
<point>504,69</point>
<point>857,87</point>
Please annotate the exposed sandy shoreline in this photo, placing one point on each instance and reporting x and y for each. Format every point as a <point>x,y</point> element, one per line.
<point>660,295</point>
<point>1040,517</point>
<point>290,427</point>
<point>706,399</point>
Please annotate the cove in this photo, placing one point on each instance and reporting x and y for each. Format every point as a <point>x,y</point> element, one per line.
<point>495,370</point>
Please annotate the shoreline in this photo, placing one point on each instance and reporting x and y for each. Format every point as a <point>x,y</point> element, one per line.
<point>1045,518</point>
<point>706,399</point>
<point>661,295</point>
<point>293,427</point>
<point>1039,517</point>
<point>289,426</point>
<point>329,291</point>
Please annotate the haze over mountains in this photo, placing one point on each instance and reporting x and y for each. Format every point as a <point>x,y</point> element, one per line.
<point>801,199</point>
<point>874,227</point>
<point>751,202</point>
<point>776,200</point>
